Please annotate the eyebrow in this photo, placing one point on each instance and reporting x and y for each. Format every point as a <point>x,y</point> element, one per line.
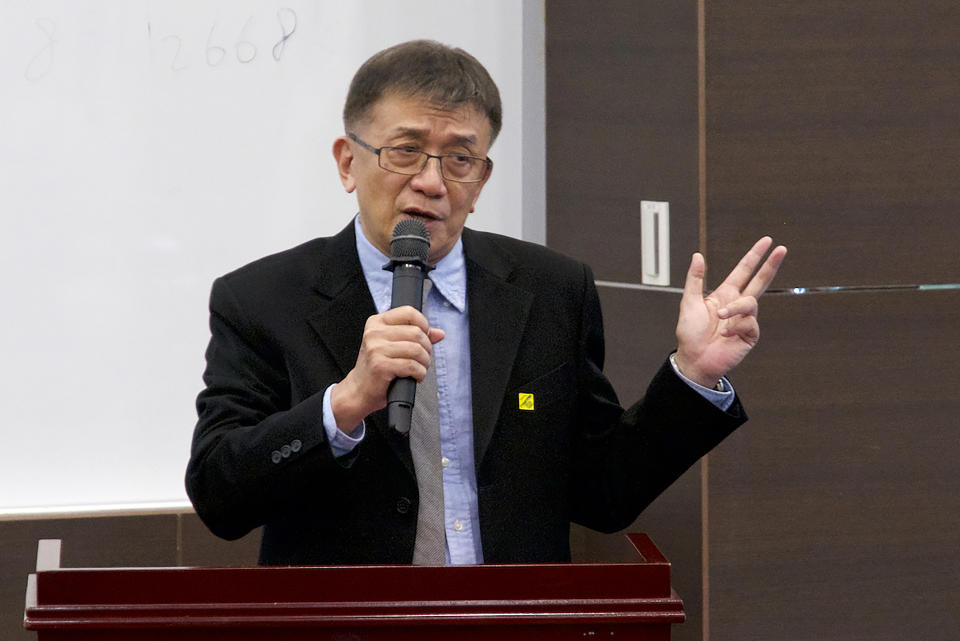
<point>420,134</point>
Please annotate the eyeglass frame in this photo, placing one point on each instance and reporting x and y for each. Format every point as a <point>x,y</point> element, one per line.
<point>487,163</point>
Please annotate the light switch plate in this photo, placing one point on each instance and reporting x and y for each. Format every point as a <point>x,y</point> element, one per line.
<point>655,242</point>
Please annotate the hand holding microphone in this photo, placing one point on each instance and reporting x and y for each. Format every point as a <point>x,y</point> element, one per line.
<point>396,344</point>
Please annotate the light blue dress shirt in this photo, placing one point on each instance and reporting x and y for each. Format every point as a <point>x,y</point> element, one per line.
<point>446,308</point>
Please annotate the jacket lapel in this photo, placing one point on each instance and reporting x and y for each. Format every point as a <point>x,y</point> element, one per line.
<point>344,301</point>
<point>498,314</point>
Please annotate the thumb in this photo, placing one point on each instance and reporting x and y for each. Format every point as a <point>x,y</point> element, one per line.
<point>435,334</point>
<point>693,286</point>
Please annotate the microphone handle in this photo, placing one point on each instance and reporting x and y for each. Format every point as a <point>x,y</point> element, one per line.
<point>407,290</point>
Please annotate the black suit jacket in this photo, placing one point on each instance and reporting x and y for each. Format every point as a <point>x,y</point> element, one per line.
<point>287,326</point>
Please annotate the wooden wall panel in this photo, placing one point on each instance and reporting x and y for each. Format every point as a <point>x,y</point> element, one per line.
<point>87,542</point>
<point>835,512</point>
<point>833,126</point>
<point>621,102</point>
<point>199,547</point>
<point>135,540</point>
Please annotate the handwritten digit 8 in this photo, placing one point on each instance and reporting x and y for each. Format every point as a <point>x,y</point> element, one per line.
<point>282,43</point>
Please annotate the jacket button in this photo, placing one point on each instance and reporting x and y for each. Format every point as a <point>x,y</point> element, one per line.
<point>276,456</point>
<point>403,505</point>
<point>295,445</point>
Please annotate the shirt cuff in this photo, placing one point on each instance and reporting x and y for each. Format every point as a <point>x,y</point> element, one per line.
<point>340,443</point>
<point>721,399</point>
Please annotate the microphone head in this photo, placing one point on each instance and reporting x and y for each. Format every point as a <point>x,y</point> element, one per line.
<point>410,241</point>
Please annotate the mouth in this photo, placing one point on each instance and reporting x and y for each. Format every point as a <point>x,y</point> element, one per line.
<point>425,216</point>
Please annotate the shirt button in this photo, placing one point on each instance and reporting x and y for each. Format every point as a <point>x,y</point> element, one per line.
<point>444,461</point>
<point>446,303</point>
<point>458,525</point>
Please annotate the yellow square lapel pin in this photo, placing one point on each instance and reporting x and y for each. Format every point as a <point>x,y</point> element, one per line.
<point>526,401</point>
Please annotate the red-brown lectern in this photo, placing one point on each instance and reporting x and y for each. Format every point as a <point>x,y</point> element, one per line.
<point>555,602</point>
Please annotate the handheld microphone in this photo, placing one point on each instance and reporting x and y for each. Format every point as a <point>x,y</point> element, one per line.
<point>408,262</point>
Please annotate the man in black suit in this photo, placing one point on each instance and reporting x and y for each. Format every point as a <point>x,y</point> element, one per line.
<point>292,433</point>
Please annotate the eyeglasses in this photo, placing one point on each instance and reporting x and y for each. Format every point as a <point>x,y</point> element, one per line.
<point>410,162</point>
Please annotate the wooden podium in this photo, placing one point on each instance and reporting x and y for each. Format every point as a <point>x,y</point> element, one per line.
<point>553,602</point>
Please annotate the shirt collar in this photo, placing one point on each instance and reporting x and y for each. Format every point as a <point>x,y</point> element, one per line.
<point>449,278</point>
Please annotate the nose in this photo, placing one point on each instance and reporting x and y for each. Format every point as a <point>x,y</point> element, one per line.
<point>430,181</point>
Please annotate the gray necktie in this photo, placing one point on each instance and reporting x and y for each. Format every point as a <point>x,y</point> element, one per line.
<point>430,548</point>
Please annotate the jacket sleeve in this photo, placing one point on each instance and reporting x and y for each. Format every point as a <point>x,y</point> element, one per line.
<point>254,452</point>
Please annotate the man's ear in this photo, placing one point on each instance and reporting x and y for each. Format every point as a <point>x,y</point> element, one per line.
<point>476,196</point>
<point>343,154</point>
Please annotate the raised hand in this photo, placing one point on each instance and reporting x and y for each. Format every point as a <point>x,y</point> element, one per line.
<point>716,332</point>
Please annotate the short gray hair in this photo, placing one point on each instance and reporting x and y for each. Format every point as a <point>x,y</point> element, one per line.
<point>444,76</point>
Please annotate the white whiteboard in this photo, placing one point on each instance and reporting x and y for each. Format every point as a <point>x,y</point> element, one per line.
<point>146,148</point>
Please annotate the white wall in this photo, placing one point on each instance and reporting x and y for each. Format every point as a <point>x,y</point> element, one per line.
<point>148,147</point>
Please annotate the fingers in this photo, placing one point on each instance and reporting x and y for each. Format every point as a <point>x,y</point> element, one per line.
<point>741,274</point>
<point>405,315</point>
<point>395,344</point>
<point>398,343</point>
<point>744,327</point>
<point>749,280</point>
<point>764,276</point>
<point>740,319</point>
<point>744,306</point>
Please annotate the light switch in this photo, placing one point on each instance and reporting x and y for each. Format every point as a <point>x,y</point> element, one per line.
<point>655,242</point>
